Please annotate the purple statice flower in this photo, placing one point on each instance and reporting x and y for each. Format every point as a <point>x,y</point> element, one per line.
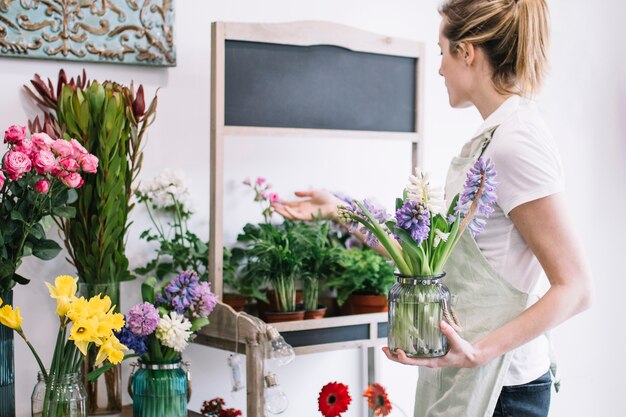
<point>142,319</point>
<point>180,292</point>
<point>480,179</point>
<point>414,217</point>
<point>138,344</point>
<point>205,301</point>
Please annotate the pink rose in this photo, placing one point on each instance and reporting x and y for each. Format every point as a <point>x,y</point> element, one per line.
<point>16,164</point>
<point>62,148</point>
<point>44,162</point>
<point>42,186</point>
<point>2,178</point>
<point>260,181</point>
<point>14,134</point>
<point>88,163</point>
<point>69,164</point>
<point>71,179</point>
<point>77,149</point>
<point>273,197</point>
<point>41,141</point>
<point>26,146</point>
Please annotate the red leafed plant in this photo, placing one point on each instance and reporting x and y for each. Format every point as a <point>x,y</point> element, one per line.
<point>377,399</point>
<point>334,399</point>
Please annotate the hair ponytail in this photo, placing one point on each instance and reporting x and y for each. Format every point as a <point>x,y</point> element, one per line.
<point>513,33</point>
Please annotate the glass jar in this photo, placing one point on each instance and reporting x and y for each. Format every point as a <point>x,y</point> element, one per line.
<point>104,394</point>
<point>59,396</point>
<point>7,366</point>
<point>417,304</point>
<point>160,389</point>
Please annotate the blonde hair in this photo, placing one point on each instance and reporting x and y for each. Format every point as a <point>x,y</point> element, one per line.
<point>514,34</point>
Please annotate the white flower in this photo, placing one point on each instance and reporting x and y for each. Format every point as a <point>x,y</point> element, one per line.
<point>174,330</point>
<point>419,189</point>
<point>167,188</point>
<point>439,236</point>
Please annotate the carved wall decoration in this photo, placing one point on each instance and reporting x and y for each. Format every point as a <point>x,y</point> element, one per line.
<point>115,31</point>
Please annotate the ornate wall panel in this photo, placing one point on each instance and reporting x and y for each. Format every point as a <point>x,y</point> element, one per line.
<point>115,31</point>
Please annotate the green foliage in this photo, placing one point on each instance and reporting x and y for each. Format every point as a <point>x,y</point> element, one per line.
<point>361,272</point>
<point>101,118</point>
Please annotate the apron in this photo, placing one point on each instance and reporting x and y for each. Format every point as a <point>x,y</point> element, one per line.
<point>483,301</point>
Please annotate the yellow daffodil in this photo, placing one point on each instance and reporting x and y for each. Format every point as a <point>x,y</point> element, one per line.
<point>0,301</point>
<point>83,332</point>
<point>79,310</point>
<point>112,350</point>
<point>64,291</point>
<point>99,306</point>
<point>11,318</point>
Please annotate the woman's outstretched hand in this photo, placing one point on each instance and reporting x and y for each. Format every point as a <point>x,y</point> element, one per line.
<point>313,204</point>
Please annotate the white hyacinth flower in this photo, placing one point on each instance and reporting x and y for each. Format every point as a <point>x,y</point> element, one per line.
<point>167,187</point>
<point>440,236</point>
<point>419,190</point>
<point>174,331</point>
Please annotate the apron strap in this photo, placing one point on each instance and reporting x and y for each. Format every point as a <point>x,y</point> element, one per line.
<point>487,135</point>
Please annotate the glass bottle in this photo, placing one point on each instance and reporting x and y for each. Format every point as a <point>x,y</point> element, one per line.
<point>417,304</point>
<point>59,396</point>
<point>159,390</point>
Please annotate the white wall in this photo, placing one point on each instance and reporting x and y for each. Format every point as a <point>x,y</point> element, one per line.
<point>583,102</point>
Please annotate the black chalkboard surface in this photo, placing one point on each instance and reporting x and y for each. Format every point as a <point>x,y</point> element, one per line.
<point>318,87</point>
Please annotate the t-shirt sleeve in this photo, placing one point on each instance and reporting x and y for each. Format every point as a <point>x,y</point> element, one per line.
<point>528,166</point>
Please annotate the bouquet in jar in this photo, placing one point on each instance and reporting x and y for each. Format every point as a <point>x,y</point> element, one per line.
<point>419,238</point>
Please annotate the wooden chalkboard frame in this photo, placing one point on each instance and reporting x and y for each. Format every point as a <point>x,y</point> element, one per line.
<point>240,332</point>
<point>304,33</point>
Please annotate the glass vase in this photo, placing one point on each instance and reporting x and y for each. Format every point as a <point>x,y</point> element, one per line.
<point>59,396</point>
<point>159,389</point>
<point>417,304</point>
<point>7,366</point>
<point>104,395</point>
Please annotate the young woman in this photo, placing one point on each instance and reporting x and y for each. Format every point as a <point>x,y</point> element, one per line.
<point>494,55</point>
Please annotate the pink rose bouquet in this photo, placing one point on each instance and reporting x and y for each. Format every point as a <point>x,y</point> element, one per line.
<point>38,176</point>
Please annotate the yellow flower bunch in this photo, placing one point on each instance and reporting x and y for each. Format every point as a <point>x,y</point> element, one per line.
<point>88,321</point>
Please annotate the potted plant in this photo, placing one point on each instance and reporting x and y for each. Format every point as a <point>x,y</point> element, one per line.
<point>363,281</point>
<point>110,121</point>
<point>273,254</point>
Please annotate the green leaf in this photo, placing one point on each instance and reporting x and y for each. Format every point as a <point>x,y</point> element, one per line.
<point>16,215</point>
<point>68,212</point>
<point>198,323</point>
<point>148,290</point>
<point>27,249</point>
<point>20,279</point>
<point>46,249</point>
<point>37,232</point>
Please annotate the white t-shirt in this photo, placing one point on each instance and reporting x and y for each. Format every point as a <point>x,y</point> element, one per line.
<point>528,167</point>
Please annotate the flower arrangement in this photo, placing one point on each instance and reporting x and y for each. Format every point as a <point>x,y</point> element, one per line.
<point>334,399</point>
<point>160,328</point>
<point>82,323</point>
<point>38,178</point>
<point>215,408</point>
<point>420,237</point>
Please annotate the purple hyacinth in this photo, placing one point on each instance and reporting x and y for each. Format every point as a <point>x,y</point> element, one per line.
<point>480,179</point>
<point>138,344</point>
<point>414,217</point>
<point>180,292</point>
<point>379,213</point>
<point>205,301</point>
<point>142,319</point>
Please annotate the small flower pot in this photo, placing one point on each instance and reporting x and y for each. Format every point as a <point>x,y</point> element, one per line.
<point>236,301</point>
<point>318,313</point>
<point>365,304</point>
<point>263,308</point>
<point>278,316</point>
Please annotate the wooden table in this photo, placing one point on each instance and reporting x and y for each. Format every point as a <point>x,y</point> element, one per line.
<point>127,411</point>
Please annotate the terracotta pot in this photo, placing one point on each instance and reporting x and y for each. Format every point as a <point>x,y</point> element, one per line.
<point>364,304</point>
<point>315,314</point>
<point>272,305</point>
<point>278,316</point>
<point>236,301</point>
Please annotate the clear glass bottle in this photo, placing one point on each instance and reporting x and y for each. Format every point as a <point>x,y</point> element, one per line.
<point>59,396</point>
<point>417,304</point>
<point>159,390</point>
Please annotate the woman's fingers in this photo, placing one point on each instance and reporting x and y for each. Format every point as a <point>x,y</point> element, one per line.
<point>308,193</point>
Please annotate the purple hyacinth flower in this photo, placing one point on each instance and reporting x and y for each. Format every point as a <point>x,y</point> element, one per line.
<point>480,179</point>
<point>138,344</point>
<point>205,301</point>
<point>180,292</point>
<point>414,217</point>
<point>142,319</point>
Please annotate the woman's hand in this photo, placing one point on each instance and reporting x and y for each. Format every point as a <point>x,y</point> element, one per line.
<point>313,204</point>
<point>462,354</point>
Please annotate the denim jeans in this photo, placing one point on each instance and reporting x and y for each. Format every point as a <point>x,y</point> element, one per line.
<point>527,400</point>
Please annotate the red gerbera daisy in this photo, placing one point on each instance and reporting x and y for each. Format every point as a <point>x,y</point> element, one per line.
<point>377,400</point>
<point>334,399</point>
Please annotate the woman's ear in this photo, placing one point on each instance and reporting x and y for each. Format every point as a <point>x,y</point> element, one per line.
<point>467,52</point>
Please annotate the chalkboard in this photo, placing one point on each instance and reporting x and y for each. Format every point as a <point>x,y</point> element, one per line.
<point>318,87</point>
